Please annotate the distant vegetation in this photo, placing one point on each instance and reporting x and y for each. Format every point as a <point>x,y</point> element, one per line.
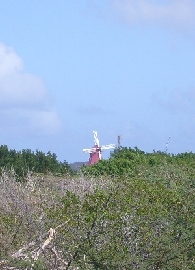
<point>134,162</point>
<point>132,211</point>
<point>27,160</point>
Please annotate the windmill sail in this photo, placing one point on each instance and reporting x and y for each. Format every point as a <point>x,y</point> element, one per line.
<point>95,151</point>
<point>108,146</point>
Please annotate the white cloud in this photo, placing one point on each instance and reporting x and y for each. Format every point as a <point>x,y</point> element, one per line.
<point>18,87</point>
<point>25,101</point>
<point>171,13</point>
<point>9,61</point>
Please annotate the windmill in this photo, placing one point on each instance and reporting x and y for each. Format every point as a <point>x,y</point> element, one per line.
<point>96,150</point>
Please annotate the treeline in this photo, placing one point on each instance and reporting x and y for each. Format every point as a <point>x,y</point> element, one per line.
<point>133,162</point>
<point>27,160</point>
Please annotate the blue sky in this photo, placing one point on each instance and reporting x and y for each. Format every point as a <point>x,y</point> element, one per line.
<point>121,67</point>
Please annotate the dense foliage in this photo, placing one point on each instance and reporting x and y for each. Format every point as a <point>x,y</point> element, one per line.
<point>134,162</point>
<point>26,160</point>
<point>138,215</point>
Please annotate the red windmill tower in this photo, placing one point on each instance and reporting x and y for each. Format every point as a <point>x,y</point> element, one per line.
<point>96,150</point>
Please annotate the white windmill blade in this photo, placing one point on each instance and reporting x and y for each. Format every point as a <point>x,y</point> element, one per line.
<point>90,150</point>
<point>96,140</point>
<point>108,146</point>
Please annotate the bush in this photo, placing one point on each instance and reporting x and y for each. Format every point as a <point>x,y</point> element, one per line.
<point>139,217</point>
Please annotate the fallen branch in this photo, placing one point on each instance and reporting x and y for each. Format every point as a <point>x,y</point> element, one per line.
<point>21,253</point>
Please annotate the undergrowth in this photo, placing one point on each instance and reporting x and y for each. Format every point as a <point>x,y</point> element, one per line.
<point>142,219</point>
